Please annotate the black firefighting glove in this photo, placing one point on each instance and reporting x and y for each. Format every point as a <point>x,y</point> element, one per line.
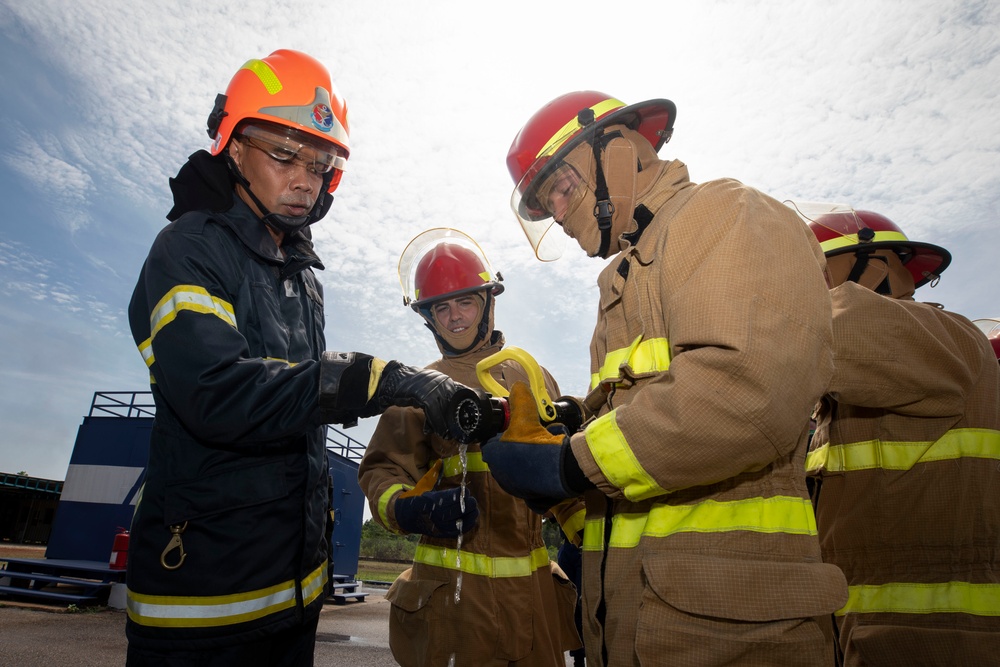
<point>532,462</point>
<point>353,385</point>
<point>442,513</point>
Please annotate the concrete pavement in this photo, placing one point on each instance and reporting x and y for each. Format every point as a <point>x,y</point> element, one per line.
<point>355,634</point>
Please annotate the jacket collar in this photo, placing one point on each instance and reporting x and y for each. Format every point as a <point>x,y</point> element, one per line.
<point>674,179</point>
<point>252,232</point>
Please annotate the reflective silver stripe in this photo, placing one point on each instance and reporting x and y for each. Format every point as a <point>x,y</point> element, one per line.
<point>211,611</point>
<point>188,297</point>
<point>146,350</point>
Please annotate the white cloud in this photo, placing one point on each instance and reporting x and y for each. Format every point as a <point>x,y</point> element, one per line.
<point>883,104</point>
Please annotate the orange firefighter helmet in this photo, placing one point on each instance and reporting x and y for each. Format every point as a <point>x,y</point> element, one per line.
<point>289,90</point>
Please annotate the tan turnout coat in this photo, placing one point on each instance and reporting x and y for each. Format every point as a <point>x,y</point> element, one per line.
<point>907,449</point>
<point>712,346</point>
<point>515,607</point>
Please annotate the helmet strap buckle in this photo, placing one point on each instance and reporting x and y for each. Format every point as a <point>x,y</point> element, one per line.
<point>218,113</point>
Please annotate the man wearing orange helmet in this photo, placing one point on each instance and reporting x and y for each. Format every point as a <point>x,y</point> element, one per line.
<point>905,454</point>
<point>495,599</point>
<point>711,347</point>
<point>230,539</point>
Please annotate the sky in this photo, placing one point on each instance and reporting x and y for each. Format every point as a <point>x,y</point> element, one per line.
<point>886,105</point>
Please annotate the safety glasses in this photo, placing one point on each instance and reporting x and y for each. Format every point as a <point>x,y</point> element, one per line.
<point>290,150</point>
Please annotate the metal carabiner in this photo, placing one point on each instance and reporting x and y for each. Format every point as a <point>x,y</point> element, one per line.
<point>174,543</point>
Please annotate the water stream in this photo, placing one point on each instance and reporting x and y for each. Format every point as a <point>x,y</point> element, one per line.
<point>463,451</point>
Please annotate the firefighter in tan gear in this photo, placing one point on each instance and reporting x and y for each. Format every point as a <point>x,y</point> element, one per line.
<point>906,453</point>
<point>493,598</point>
<point>712,346</point>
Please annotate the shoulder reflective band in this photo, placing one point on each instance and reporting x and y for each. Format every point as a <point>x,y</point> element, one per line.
<point>642,356</point>
<point>977,443</point>
<point>383,501</point>
<point>188,297</point>
<point>265,74</point>
<point>473,463</point>
<point>481,564</point>
<point>617,461</point>
<point>953,597</point>
<point>778,514</point>
<point>168,611</point>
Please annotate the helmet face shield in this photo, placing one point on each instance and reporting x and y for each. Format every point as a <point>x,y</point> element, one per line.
<point>552,195</point>
<point>444,263</point>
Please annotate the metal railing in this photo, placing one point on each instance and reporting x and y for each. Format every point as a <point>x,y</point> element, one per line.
<point>140,404</point>
<point>122,404</point>
<point>26,483</point>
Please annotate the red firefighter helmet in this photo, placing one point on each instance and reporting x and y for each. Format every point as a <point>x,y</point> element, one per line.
<point>288,89</point>
<point>441,264</point>
<point>991,327</point>
<point>559,127</point>
<point>840,229</point>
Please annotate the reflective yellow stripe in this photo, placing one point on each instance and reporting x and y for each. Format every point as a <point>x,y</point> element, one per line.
<point>146,350</point>
<point>215,610</point>
<point>575,524</point>
<point>188,297</point>
<point>779,514</point>
<point>852,240</point>
<point>312,585</point>
<point>956,597</point>
<point>564,133</point>
<point>976,443</point>
<point>617,461</point>
<point>486,566</point>
<point>593,534</point>
<point>473,463</point>
<point>642,356</point>
<point>265,74</point>
<point>383,501</point>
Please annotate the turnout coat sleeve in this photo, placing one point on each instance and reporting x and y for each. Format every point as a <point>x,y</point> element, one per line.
<point>731,283</point>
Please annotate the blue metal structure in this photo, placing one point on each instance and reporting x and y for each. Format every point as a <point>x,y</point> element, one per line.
<point>106,470</point>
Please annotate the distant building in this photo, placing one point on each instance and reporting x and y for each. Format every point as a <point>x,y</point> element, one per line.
<point>27,508</point>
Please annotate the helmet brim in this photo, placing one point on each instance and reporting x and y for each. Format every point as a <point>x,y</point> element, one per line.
<point>925,261</point>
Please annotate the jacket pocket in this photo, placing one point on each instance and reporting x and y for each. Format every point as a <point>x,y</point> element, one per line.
<point>705,610</point>
<point>224,491</point>
<point>745,590</point>
<point>412,594</point>
<point>566,597</point>
<point>415,625</point>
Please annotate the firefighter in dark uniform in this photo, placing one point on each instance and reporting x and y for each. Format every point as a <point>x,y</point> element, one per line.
<point>229,544</point>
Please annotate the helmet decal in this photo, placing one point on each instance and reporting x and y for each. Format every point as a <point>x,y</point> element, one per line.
<point>322,117</point>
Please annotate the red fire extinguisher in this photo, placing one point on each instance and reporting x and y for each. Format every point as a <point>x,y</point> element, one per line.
<point>119,551</point>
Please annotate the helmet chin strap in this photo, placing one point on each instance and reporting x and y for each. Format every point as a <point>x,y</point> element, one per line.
<point>603,208</point>
<point>286,224</point>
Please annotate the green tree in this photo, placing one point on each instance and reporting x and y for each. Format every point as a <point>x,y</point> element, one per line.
<point>380,544</point>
